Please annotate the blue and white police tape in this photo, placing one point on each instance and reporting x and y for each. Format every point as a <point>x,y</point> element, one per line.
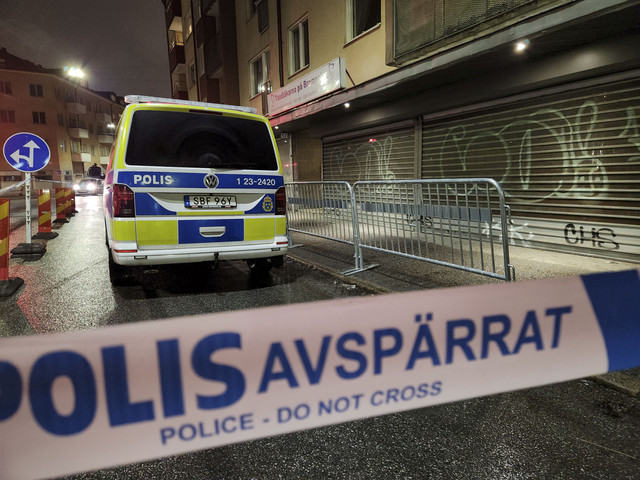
<point>86,400</point>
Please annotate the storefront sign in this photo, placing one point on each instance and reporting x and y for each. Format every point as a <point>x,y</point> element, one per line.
<point>326,79</point>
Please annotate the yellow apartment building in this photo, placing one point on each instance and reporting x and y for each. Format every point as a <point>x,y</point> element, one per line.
<point>77,123</point>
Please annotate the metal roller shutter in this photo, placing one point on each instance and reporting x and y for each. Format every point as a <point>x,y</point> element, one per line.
<point>386,153</point>
<point>569,164</point>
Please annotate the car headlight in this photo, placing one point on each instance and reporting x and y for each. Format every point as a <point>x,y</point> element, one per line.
<point>76,187</point>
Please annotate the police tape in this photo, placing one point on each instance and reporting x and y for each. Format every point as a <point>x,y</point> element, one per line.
<point>93,399</point>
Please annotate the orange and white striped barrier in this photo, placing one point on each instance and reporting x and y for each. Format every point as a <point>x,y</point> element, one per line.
<point>67,202</point>
<point>44,216</point>
<point>7,285</point>
<point>4,239</point>
<point>61,216</point>
<point>44,211</point>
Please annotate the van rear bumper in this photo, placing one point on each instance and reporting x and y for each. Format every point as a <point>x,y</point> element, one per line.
<point>195,255</point>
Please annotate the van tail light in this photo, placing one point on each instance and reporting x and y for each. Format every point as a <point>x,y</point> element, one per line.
<point>281,201</point>
<point>123,201</point>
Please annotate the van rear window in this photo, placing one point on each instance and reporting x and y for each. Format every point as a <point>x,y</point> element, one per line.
<point>199,140</point>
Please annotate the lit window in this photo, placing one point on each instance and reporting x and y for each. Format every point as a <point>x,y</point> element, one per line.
<point>362,15</point>
<point>259,72</point>
<point>298,46</point>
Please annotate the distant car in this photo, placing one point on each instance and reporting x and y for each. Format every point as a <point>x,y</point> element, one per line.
<point>89,186</point>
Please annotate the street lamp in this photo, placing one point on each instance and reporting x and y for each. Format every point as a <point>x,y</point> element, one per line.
<point>74,72</point>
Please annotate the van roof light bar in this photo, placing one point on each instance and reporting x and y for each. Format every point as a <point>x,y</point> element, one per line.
<point>147,99</point>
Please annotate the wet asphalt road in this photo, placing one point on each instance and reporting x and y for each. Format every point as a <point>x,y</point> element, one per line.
<point>574,430</point>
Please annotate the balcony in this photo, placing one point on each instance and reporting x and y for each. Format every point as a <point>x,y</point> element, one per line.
<point>81,157</point>
<point>173,12</point>
<point>76,108</point>
<point>104,160</point>
<point>176,57</point>
<point>78,133</point>
<point>105,138</point>
<point>103,117</point>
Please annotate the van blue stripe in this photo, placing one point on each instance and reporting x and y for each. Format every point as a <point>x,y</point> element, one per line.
<point>196,180</point>
<point>615,297</point>
<point>189,230</point>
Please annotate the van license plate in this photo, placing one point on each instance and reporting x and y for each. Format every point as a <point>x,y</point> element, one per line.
<point>210,201</point>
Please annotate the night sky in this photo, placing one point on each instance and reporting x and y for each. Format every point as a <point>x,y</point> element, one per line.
<point>120,44</point>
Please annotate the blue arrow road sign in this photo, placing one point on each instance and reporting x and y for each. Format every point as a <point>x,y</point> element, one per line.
<point>26,152</point>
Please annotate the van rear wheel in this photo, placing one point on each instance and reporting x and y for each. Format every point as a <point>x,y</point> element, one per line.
<point>119,275</point>
<point>259,265</point>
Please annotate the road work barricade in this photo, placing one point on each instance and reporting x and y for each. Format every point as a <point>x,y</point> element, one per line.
<point>92,399</point>
<point>459,223</point>
<point>44,215</point>
<point>7,285</point>
<point>60,198</point>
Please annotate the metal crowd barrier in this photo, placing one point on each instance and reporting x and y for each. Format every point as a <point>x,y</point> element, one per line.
<point>459,223</point>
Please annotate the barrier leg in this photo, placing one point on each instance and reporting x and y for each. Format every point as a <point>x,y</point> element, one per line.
<point>7,285</point>
<point>44,216</point>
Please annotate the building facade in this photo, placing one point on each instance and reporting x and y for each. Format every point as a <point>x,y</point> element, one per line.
<point>543,96</point>
<point>77,123</point>
<point>201,41</point>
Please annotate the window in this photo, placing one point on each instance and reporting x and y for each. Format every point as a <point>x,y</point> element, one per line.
<point>186,139</point>
<point>39,117</point>
<point>251,8</point>
<point>7,116</point>
<point>35,90</point>
<point>262,7</point>
<point>192,74</point>
<point>61,120</point>
<point>5,87</point>
<point>63,146</point>
<point>259,72</point>
<point>362,15</point>
<point>299,47</point>
<point>75,146</point>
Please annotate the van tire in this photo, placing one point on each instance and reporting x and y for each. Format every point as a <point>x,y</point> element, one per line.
<point>259,265</point>
<point>119,275</point>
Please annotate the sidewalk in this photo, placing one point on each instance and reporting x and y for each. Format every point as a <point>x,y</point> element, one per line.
<point>395,273</point>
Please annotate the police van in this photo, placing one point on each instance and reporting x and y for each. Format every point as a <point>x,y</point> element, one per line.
<point>193,182</point>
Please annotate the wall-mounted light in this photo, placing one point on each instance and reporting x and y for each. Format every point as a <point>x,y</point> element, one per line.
<point>346,105</point>
<point>522,45</point>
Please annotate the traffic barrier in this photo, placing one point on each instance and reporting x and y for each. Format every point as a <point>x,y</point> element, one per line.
<point>61,216</point>
<point>44,215</point>
<point>68,208</point>
<point>450,222</point>
<point>7,285</point>
<point>153,389</point>
<point>44,211</point>
<point>4,239</point>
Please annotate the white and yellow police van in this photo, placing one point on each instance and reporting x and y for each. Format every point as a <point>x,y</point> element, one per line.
<point>193,182</point>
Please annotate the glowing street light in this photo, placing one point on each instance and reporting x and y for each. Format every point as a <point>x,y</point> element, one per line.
<point>74,72</point>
